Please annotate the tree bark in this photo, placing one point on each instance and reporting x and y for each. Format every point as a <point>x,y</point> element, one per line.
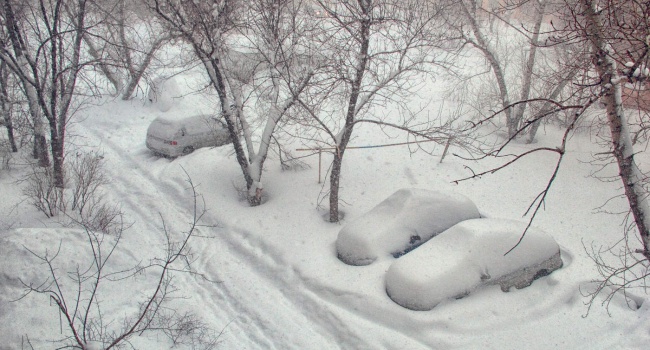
<point>215,71</point>
<point>346,133</point>
<point>103,67</point>
<point>610,82</point>
<point>482,45</point>
<point>5,105</point>
<point>137,73</point>
<point>518,116</point>
<point>64,72</point>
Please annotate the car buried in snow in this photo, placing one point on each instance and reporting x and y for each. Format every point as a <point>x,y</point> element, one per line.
<point>172,137</point>
<point>469,255</point>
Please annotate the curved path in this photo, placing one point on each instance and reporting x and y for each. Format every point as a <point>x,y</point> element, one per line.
<point>259,302</point>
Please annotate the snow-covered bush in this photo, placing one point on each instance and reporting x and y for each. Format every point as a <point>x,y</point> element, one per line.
<point>103,296</point>
<point>42,193</point>
<point>83,199</point>
<point>468,255</point>
<point>406,219</point>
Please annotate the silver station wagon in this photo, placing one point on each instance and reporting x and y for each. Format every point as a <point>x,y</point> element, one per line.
<point>173,137</point>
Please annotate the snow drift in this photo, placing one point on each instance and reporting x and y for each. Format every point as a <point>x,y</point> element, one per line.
<point>164,93</point>
<point>468,255</point>
<point>406,219</point>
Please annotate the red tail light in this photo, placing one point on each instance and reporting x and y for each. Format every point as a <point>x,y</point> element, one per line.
<point>173,143</point>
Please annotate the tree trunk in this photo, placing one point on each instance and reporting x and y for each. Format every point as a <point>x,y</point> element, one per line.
<point>5,105</point>
<point>499,75</point>
<point>213,67</point>
<point>355,91</point>
<point>136,73</point>
<point>56,145</point>
<point>518,116</point>
<point>610,82</point>
<point>103,67</point>
<point>547,107</point>
<point>22,70</point>
<point>10,131</point>
<point>335,176</point>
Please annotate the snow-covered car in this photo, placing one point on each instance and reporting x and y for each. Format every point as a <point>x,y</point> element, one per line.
<point>173,137</point>
<point>471,254</point>
<point>400,223</point>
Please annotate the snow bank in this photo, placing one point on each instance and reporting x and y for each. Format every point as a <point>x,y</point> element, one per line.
<point>468,255</point>
<point>406,219</point>
<point>164,93</point>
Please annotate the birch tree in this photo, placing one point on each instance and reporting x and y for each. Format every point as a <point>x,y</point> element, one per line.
<point>631,22</point>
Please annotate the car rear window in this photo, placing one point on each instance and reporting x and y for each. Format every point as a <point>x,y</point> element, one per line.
<point>201,123</point>
<point>163,128</point>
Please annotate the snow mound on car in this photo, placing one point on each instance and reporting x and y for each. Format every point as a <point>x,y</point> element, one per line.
<point>469,255</point>
<point>406,219</point>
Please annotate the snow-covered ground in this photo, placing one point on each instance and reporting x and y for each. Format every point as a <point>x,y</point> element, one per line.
<point>275,279</point>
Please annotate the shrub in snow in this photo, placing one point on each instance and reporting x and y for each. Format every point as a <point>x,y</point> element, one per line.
<point>406,219</point>
<point>163,93</point>
<point>83,200</point>
<point>42,192</point>
<point>469,255</point>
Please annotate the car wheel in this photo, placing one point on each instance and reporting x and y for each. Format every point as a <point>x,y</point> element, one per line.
<point>188,150</point>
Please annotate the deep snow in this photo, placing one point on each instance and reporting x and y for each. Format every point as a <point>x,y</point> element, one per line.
<point>404,220</point>
<point>469,254</point>
<point>279,283</point>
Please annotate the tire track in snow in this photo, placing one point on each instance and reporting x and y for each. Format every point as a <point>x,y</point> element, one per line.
<point>130,179</point>
<point>313,318</point>
<point>262,260</point>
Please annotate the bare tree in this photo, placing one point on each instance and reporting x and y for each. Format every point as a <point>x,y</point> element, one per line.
<point>524,31</point>
<point>612,36</point>
<point>374,50</point>
<point>14,54</point>
<point>124,42</point>
<point>631,22</point>
<point>45,55</point>
<point>205,26</point>
<point>6,107</point>
<point>529,67</point>
<point>267,66</point>
<point>278,33</point>
<point>469,10</point>
<point>549,107</point>
<point>76,293</point>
